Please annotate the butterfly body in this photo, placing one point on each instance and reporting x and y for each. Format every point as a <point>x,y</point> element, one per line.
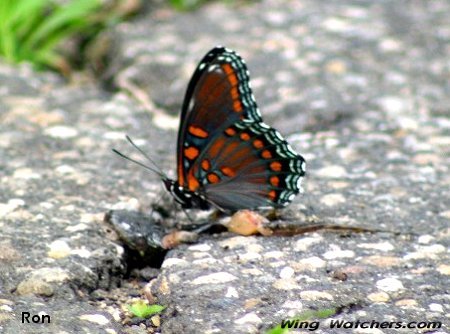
<point>227,157</point>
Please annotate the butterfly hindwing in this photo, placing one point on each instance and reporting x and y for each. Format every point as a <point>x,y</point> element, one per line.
<point>249,165</point>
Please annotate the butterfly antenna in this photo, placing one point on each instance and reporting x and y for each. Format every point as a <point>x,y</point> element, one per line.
<point>160,173</point>
<point>145,155</point>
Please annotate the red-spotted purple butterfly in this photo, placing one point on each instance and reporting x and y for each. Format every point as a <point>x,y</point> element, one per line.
<point>226,156</point>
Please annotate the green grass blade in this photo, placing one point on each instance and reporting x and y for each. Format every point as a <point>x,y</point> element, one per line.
<point>77,9</point>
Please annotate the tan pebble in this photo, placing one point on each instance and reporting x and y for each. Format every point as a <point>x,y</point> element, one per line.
<point>286,284</point>
<point>164,286</point>
<point>251,303</point>
<point>378,297</point>
<point>315,295</point>
<point>336,66</point>
<point>382,261</point>
<point>156,320</point>
<point>444,269</point>
<point>406,303</point>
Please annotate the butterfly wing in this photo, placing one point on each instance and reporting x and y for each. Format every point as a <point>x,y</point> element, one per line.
<point>217,96</point>
<point>249,165</point>
<point>226,154</point>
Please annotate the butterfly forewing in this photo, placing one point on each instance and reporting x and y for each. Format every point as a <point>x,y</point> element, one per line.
<point>218,96</point>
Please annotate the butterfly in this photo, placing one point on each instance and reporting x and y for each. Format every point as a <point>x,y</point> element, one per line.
<point>227,157</point>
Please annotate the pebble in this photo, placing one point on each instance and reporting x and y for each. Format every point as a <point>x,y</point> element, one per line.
<point>382,246</point>
<point>287,272</point>
<point>95,318</point>
<point>333,199</point>
<point>315,295</point>
<point>216,278</point>
<point>61,131</point>
<point>379,297</point>
<point>248,318</point>
<point>434,307</point>
<point>389,285</point>
<point>338,253</point>
<point>334,171</point>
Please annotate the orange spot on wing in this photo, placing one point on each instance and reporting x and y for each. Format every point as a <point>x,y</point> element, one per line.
<point>193,183</point>
<point>230,73</point>
<point>272,195</point>
<point>237,106</point>
<point>275,181</point>
<point>275,166</point>
<point>213,178</point>
<point>234,93</point>
<point>258,143</point>
<point>227,171</point>
<point>244,136</point>
<point>191,153</point>
<point>266,154</point>
<point>197,131</point>
<point>230,131</point>
<point>206,165</point>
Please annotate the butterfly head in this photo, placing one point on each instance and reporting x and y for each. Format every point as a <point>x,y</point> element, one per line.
<point>186,198</point>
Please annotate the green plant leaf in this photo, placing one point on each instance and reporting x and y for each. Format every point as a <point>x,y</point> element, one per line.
<point>143,310</point>
<point>62,16</point>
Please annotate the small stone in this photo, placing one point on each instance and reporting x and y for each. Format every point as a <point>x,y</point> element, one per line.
<point>293,304</point>
<point>274,255</point>
<point>77,228</point>
<point>173,262</point>
<point>434,307</point>
<point>445,214</point>
<point>406,303</point>
<point>95,318</point>
<point>336,66</point>
<point>338,253</point>
<point>58,249</point>
<point>334,171</point>
<point>425,239</point>
<point>200,248</point>
<point>232,293</point>
<point>379,297</point>
<point>287,272</point>
<point>61,131</point>
<point>382,246</point>
<point>164,287</point>
<point>156,320</point>
<point>444,269</point>
<point>382,261</point>
<point>309,264</point>
<point>216,278</point>
<point>286,284</point>
<point>423,252</point>
<point>389,285</point>
<point>35,286</point>
<point>248,318</point>
<point>65,169</point>
<point>303,244</point>
<point>315,295</point>
<point>333,199</point>
<point>251,303</point>
<point>26,174</point>
<point>393,104</point>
